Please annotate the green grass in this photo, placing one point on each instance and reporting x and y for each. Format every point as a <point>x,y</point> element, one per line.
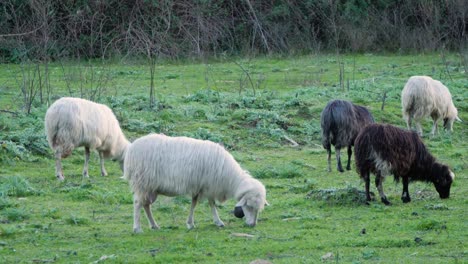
<point>313,215</point>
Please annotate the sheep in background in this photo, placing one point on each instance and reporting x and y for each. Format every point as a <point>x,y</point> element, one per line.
<point>74,122</point>
<point>341,122</point>
<point>423,96</point>
<point>386,149</point>
<point>161,165</point>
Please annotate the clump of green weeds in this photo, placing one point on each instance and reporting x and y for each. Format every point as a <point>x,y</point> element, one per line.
<point>135,125</point>
<point>23,138</point>
<point>281,172</point>
<point>206,96</point>
<point>205,134</point>
<point>77,220</point>
<point>16,186</point>
<point>430,224</point>
<point>439,207</point>
<point>15,214</point>
<point>6,203</point>
<point>335,196</point>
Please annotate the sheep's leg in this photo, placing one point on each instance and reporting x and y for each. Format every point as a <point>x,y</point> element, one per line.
<point>419,128</point>
<point>350,152</point>
<point>190,220</point>
<point>329,159</point>
<point>435,129</point>
<point>378,183</point>
<point>149,214</point>
<point>408,121</point>
<point>86,163</point>
<point>405,197</point>
<point>338,160</point>
<point>103,169</point>
<point>216,219</point>
<point>58,165</point>
<point>367,182</point>
<point>136,214</point>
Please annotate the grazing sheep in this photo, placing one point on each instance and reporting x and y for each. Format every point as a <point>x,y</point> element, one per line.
<point>74,122</point>
<point>386,149</point>
<point>171,166</point>
<point>423,96</point>
<point>341,122</point>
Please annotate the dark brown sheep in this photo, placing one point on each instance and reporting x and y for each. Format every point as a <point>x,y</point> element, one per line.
<point>386,149</point>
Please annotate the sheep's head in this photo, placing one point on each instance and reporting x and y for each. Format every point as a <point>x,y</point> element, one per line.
<point>452,115</point>
<point>448,124</point>
<point>443,178</point>
<point>251,202</point>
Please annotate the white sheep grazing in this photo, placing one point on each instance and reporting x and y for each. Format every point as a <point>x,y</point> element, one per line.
<point>74,122</point>
<point>423,96</point>
<point>158,164</point>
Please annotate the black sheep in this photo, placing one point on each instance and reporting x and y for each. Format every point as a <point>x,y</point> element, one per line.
<point>386,149</point>
<point>341,122</point>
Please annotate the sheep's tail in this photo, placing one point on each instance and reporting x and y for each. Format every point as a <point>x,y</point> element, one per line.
<point>52,130</point>
<point>326,121</point>
<point>408,104</point>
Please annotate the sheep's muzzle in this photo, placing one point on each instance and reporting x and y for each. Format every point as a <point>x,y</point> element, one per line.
<point>238,212</point>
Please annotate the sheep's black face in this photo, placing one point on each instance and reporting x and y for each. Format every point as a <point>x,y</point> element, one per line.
<point>444,182</point>
<point>444,191</point>
<point>238,212</point>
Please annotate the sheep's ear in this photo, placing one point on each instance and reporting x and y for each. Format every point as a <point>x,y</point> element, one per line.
<point>241,202</point>
<point>458,119</point>
<point>452,175</point>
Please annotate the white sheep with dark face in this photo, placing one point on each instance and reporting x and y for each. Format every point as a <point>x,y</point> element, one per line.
<point>423,96</point>
<point>75,122</point>
<point>171,166</point>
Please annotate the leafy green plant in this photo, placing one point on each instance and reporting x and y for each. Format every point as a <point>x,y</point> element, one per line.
<point>279,172</point>
<point>7,231</point>
<point>205,96</point>
<point>11,152</point>
<point>5,202</point>
<point>53,213</point>
<point>205,134</point>
<point>15,186</point>
<point>430,224</point>
<point>335,196</point>
<point>77,220</point>
<point>15,214</point>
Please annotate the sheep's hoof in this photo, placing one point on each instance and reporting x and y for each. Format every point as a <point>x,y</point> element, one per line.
<point>348,168</point>
<point>137,230</point>
<point>368,201</point>
<point>340,169</point>
<point>85,174</point>
<point>155,227</point>
<point>406,199</point>
<point>219,224</point>
<point>103,174</point>
<point>385,201</point>
<point>190,226</point>
<point>60,177</point>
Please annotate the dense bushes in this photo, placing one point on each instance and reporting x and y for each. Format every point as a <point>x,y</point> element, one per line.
<point>21,140</point>
<point>54,29</point>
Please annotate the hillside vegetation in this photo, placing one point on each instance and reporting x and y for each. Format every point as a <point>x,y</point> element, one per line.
<point>256,108</point>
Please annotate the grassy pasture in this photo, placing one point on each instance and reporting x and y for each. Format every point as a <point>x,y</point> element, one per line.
<point>314,216</point>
